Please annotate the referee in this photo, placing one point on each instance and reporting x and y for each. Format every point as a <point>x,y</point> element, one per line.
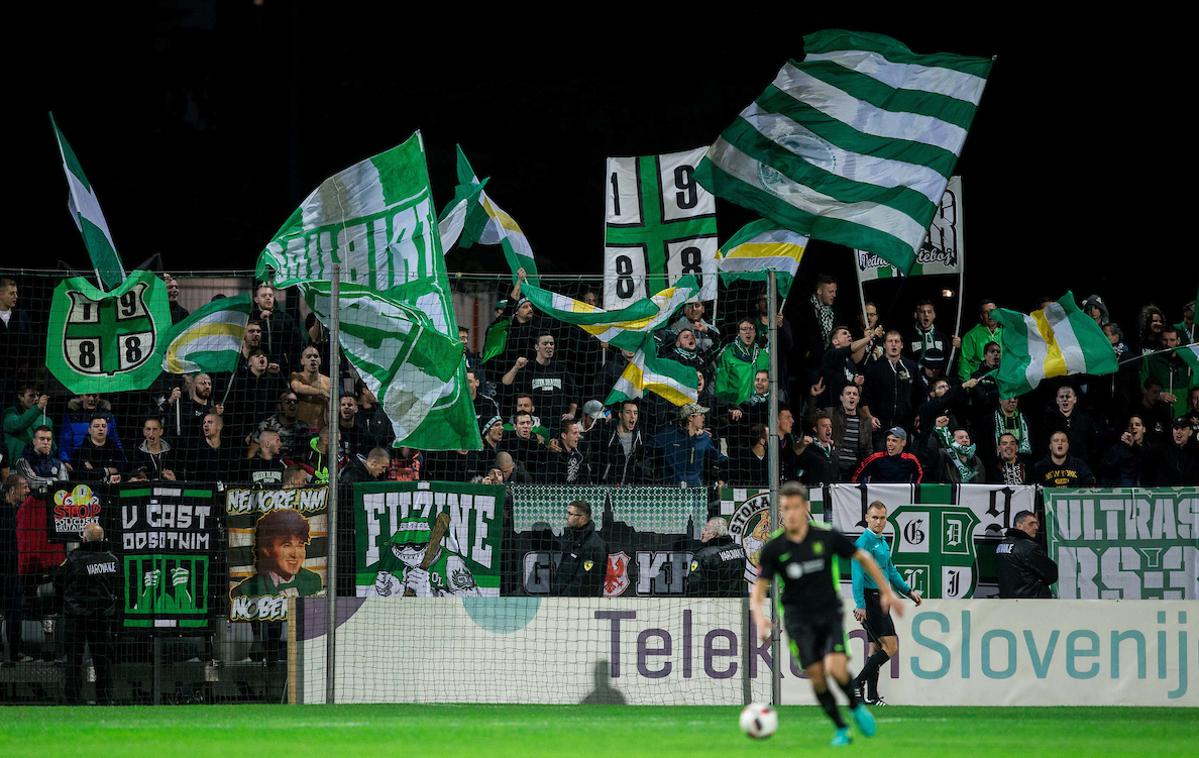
<point>867,608</point>
<point>803,557</point>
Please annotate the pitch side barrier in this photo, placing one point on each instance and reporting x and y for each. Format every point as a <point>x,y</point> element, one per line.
<point>695,651</point>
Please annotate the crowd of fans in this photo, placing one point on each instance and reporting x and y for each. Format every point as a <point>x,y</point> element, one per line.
<point>871,402</point>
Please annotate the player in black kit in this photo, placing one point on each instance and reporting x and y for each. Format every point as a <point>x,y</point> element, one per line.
<point>803,557</point>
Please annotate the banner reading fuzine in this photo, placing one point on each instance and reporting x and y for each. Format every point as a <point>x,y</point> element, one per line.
<point>1128,543</point>
<point>427,539</point>
<point>699,651</point>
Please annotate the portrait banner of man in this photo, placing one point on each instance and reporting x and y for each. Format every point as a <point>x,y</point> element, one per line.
<point>278,548</point>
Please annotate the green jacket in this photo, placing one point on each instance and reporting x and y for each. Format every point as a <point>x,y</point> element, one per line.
<point>305,583</point>
<point>735,369</point>
<point>972,348</point>
<point>1175,376</point>
<point>19,426</point>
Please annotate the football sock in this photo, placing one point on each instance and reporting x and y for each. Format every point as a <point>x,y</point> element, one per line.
<point>829,704</point>
<point>870,672</point>
<point>848,689</point>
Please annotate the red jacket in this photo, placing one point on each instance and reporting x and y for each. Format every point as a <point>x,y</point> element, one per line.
<point>881,467</point>
<point>35,553</point>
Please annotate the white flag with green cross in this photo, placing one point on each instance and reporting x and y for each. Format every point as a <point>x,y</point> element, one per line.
<point>660,225</point>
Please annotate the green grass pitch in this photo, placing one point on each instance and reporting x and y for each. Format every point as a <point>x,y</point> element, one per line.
<point>496,730</point>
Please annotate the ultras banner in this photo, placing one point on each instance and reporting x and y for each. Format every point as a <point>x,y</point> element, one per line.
<point>1131,544</point>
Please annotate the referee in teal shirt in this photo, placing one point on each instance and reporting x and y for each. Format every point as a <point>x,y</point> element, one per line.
<point>878,624</point>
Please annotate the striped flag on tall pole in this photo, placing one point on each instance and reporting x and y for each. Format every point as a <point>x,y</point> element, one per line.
<point>760,247</point>
<point>647,372</point>
<point>88,218</point>
<point>852,145</point>
<point>1058,340</point>
<point>209,339</point>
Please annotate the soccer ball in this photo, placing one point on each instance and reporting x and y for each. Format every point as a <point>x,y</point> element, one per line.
<point>759,721</point>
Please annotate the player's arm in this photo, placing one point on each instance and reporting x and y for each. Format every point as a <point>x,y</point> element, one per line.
<point>757,598</point>
<point>886,597</point>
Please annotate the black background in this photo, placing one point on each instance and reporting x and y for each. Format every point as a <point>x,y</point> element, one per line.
<point>203,125</point>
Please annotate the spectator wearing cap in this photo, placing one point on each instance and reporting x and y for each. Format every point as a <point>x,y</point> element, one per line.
<point>892,465</point>
<point>687,448</point>
<point>594,415</point>
<point>1176,463</point>
<point>77,423</point>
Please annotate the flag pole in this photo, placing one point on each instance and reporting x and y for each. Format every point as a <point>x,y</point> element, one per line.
<point>857,274</point>
<point>331,574</point>
<point>957,324</point>
<point>773,461</point>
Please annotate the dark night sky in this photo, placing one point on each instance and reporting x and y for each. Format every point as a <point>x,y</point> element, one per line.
<point>203,126</point>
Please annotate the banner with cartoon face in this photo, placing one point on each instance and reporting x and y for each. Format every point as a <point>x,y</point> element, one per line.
<point>748,513</point>
<point>427,539</point>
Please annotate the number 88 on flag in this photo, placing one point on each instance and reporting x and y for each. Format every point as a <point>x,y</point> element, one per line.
<point>660,225</point>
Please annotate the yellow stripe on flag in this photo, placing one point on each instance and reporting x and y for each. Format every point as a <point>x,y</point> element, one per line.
<point>767,250</point>
<point>1055,362</point>
<point>171,361</point>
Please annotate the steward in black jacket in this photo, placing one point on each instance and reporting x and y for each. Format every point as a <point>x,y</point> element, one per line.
<point>718,569</point>
<point>580,573</point>
<point>88,580</point>
<point>1025,571</point>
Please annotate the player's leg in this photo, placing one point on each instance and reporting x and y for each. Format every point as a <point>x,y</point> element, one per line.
<point>816,675</point>
<point>882,630</point>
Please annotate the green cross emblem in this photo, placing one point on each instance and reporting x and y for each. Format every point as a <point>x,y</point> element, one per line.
<point>672,229</point>
<point>101,341</point>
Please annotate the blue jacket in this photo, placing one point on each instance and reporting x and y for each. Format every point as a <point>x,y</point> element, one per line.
<point>877,547</point>
<point>684,455</point>
<point>75,427</point>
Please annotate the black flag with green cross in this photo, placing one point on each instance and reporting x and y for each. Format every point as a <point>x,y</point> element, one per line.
<point>101,341</point>
<point>660,225</point>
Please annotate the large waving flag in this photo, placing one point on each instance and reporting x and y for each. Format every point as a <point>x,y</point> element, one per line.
<point>854,144</point>
<point>488,224</point>
<point>377,218</point>
<point>88,218</point>
<point>647,372</point>
<point>760,247</point>
<point>404,360</point>
<point>625,328</point>
<point>209,339</point>
<point>1057,340</point>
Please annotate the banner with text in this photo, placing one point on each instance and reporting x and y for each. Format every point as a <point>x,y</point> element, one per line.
<point>70,507</point>
<point>427,539</point>
<point>278,548</point>
<point>168,536</point>
<point>1130,544</point>
<point>943,246</point>
<point>651,534</point>
<point>931,553</point>
<point>698,651</point>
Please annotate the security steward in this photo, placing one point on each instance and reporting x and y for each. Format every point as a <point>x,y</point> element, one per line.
<point>87,581</point>
<point>584,555</point>
<point>1025,570</point>
<point>718,569</point>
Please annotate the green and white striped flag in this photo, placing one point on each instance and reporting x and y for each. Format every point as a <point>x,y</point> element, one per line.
<point>760,247</point>
<point>377,218</point>
<point>647,372</point>
<point>405,361</point>
<point>624,328</point>
<point>853,145</point>
<point>209,339</point>
<point>1057,340</point>
<point>88,218</point>
<point>488,224</point>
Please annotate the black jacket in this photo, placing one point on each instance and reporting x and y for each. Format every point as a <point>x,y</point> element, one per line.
<point>99,458</point>
<point>717,570</point>
<point>1025,571</point>
<point>88,581</point>
<point>617,468</point>
<point>580,573</point>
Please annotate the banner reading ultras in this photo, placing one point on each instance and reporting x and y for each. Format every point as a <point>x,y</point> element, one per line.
<point>404,550</point>
<point>167,534</point>
<point>1131,544</point>
<point>278,548</point>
